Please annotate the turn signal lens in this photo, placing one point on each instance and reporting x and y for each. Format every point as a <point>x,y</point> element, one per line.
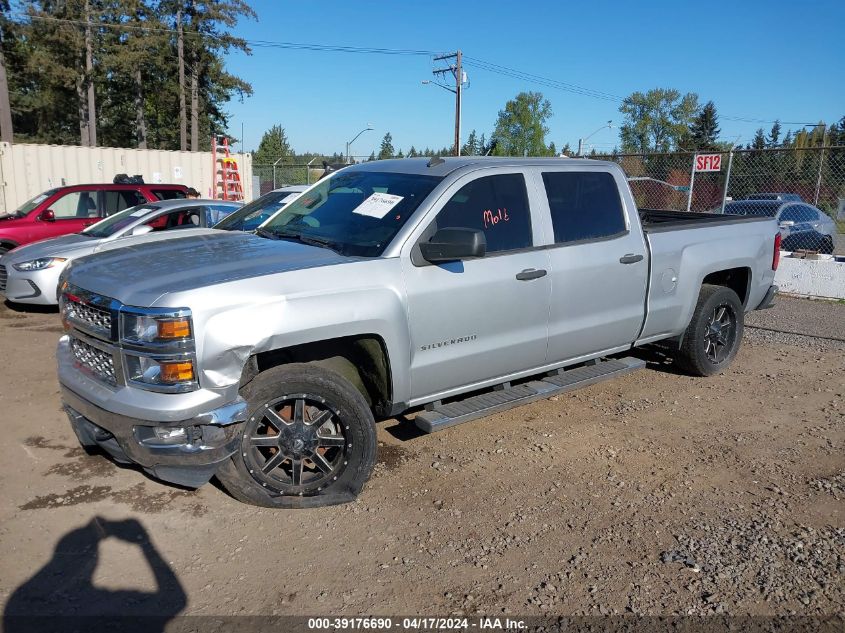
<point>176,372</point>
<point>175,328</point>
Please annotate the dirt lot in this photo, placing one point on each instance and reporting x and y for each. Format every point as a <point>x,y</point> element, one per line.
<point>654,494</point>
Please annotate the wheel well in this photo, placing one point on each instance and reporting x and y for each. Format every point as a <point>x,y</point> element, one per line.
<point>737,279</point>
<point>361,359</point>
<point>7,244</point>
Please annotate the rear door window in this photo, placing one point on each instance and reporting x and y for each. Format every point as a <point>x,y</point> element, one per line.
<point>115,200</point>
<point>169,194</point>
<point>495,205</point>
<point>584,206</point>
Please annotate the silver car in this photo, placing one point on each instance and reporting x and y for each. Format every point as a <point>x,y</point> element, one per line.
<point>802,226</point>
<point>30,274</point>
<point>254,214</point>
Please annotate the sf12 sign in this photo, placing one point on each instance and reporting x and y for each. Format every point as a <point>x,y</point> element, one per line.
<point>708,162</point>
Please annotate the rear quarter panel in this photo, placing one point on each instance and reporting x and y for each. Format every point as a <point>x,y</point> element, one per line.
<point>682,258</point>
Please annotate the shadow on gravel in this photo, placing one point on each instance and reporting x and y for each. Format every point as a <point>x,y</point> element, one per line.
<point>657,358</point>
<point>403,429</point>
<point>61,596</point>
<point>24,308</point>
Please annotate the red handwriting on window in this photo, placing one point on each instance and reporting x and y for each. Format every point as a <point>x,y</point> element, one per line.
<point>493,218</point>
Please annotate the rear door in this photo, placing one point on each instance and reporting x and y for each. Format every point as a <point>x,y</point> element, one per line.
<point>599,265</point>
<point>477,320</point>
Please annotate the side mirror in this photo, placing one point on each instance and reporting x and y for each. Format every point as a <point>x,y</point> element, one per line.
<point>786,224</point>
<point>141,229</point>
<point>47,215</point>
<point>452,244</point>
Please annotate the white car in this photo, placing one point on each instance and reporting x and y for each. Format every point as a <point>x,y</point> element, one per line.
<point>252,215</point>
<point>30,274</point>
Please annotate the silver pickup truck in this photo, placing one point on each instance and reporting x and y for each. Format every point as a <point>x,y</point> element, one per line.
<point>456,287</point>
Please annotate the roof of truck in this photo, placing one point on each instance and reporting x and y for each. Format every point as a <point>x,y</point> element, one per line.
<point>448,164</point>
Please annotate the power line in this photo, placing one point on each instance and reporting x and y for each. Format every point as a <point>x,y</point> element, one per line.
<point>469,61</point>
<point>256,43</point>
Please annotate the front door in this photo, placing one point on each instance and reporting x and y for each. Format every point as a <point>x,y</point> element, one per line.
<point>476,320</point>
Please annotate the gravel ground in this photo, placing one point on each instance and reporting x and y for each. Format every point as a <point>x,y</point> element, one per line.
<point>655,494</point>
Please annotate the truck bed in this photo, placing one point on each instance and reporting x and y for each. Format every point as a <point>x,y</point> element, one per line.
<point>659,220</point>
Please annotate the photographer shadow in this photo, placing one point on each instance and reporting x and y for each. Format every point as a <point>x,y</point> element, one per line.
<point>61,596</point>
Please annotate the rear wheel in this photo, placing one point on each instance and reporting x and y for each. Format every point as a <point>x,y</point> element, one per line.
<point>712,338</point>
<point>309,440</point>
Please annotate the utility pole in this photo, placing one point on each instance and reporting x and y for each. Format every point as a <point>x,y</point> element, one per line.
<point>89,78</point>
<point>183,115</point>
<point>5,107</point>
<point>457,70</point>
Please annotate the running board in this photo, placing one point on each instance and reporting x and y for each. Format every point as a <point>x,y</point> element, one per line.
<point>441,416</point>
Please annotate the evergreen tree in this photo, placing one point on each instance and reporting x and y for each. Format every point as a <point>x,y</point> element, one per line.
<point>774,135</point>
<point>471,147</point>
<point>759,141</point>
<point>704,130</point>
<point>372,157</point>
<point>412,153</point>
<point>386,150</point>
<point>273,146</point>
<point>788,140</point>
<point>399,154</point>
<point>482,145</point>
<point>552,149</point>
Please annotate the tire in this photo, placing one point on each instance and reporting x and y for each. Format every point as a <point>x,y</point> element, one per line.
<point>827,245</point>
<point>307,466</point>
<point>712,339</point>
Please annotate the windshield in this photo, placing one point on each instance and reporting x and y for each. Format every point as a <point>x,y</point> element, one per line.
<point>753,208</point>
<point>119,221</point>
<point>250,216</point>
<point>355,213</point>
<point>29,205</point>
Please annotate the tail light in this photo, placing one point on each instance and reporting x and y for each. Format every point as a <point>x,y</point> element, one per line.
<point>776,255</point>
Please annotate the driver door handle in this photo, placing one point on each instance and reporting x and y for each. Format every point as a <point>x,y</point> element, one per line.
<point>630,258</point>
<point>530,273</point>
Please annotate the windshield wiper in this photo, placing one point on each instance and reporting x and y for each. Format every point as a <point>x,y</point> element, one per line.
<point>312,240</point>
<point>265,233</point>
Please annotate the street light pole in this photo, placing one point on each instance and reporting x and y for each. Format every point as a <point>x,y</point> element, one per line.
<point>348,143</point>
<point>586,138</point>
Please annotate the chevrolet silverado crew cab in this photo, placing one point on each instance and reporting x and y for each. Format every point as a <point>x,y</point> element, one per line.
<point>461,285</point>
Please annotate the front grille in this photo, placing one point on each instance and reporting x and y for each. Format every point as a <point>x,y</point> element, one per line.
<point>95,360</point>
<point>3,277</point>
<point>89,315</point>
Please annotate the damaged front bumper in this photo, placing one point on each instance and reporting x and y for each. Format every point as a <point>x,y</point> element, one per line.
<point>185,452</point>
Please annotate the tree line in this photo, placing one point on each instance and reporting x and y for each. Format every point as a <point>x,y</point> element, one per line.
<point>122,73</point>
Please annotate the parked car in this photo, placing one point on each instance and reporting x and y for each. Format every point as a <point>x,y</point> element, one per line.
<point>30,274</point>
<point>802,226</point>
<point>65,210</point>
<point>264,359</point>
<point>254,214</point>
<point>784,197</point>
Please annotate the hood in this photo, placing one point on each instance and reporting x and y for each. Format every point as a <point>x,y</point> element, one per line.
<point>64,246</point>
<point>139,272</point>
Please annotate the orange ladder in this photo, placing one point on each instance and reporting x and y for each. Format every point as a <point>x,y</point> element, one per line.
<point>227,178</point>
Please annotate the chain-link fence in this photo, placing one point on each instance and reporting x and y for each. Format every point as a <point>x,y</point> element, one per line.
<point>283,173</point>
<point>803,188</point>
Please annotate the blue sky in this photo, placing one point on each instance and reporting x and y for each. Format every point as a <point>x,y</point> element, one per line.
<point>755,60</point>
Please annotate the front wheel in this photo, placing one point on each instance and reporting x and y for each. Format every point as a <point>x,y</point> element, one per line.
<point>309,440</point>
<point>712,339</point>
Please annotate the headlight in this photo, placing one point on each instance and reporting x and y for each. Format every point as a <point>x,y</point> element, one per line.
<point>164,373</point>
<point>144,328</point>
<point>39,264</point>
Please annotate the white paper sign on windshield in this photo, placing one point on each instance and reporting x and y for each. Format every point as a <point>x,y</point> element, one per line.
<point>377,205</point>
